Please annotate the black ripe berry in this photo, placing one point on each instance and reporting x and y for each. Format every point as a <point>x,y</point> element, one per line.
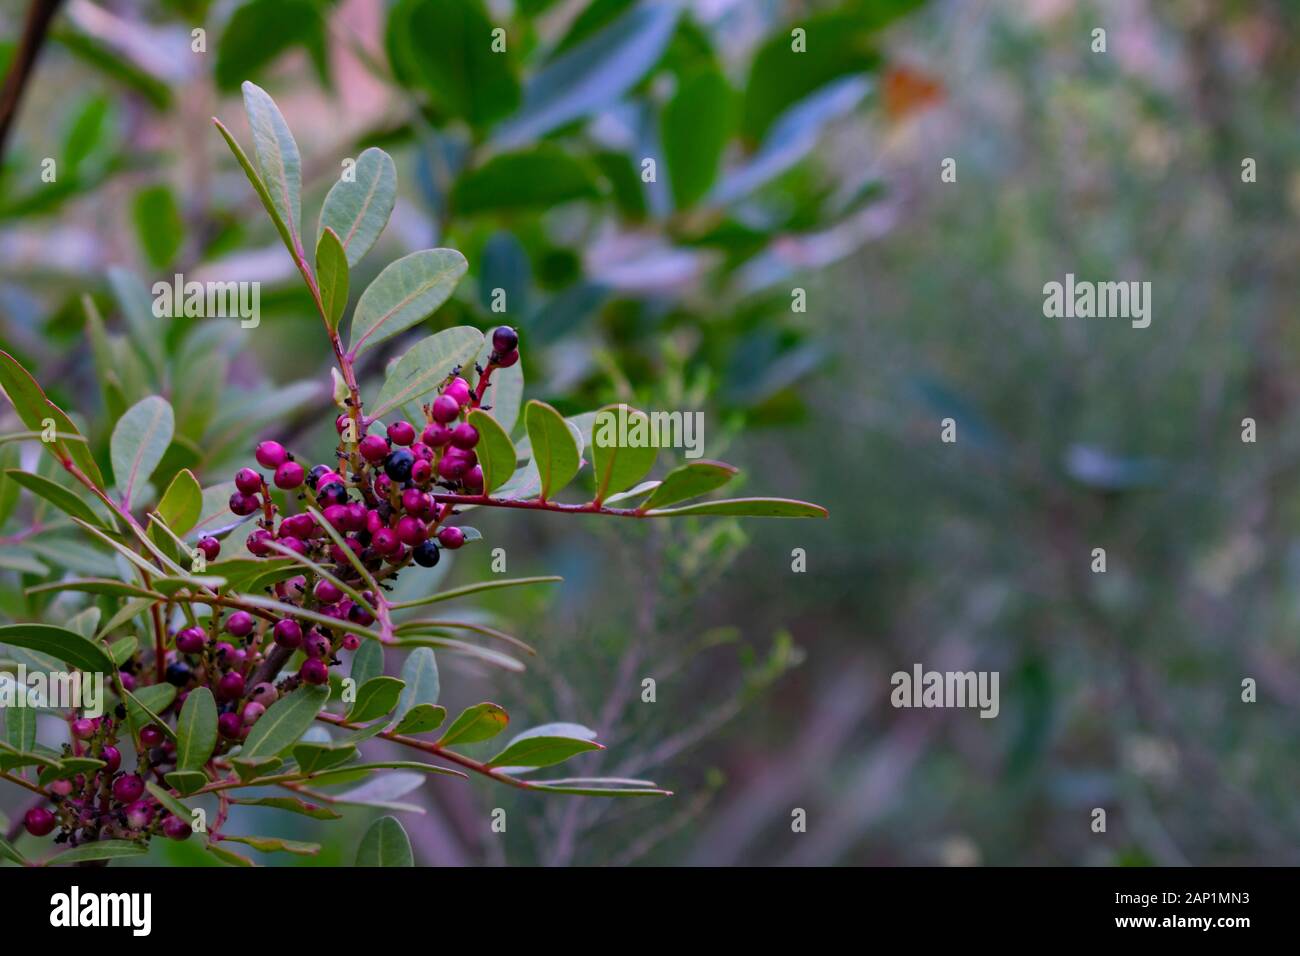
<point>178,674</point>
<point>333,494</point>
<point>314,475</point>
<point>504,339</point>
<point>398,465</point>
<point>426,554</point>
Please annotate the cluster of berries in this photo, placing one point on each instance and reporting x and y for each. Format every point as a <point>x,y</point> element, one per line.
<point>108,803</point>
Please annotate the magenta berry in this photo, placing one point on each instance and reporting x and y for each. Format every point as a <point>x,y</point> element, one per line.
<point>504,339</point>
<point>355,519</point>
<point>327,592</point>
<point>436,435</point>
<point>351,642</point>
<point>39,821</point>
<point>374,448</point>
<point>248,481</point>
<point>263,694</point>
<point>138,815</point>
<point>210,547</point>
<point>401,433</point>
<point>287,633</point>
<point>252,713</point>
<point>128,680</point>
<point>317,645</point>
<point>451,467</point>
<point>451,538</point>
<point>83,729</point>
<point>474,479</point>
<point>174,828</point>
<point>508,359</point>
<point>293,544</point>
<point>384,541</point>
<point>458,389</point>
<point>128,788</point>
<point>289,475</point>
<point>112,758</point>
<point>410,530</point>
<point>421,472</point>
<point>230,725</point>
<point>336,515</point>
<point>464,436</point>
<point>242,504</point>
<point>314,671</point>
<point>151,736</point>
<point>239,624</point>
<point>191,640</point>
<point>359,615</point>
<point>257,542</point>
<point>61,787</point>
<point>231,686</point>
<point>414,502</point>
<point>271,454</point>
<point>445,409</point>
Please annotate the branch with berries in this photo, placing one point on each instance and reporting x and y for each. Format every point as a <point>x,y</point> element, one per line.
<point>276,603</point>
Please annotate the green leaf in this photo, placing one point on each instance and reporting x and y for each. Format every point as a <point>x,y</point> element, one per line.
<point>496,453</point>
<point>8,852</point>
<point>277,157</point>
<point>690,481</point>
<point>621,456</point>
<point>554,450</point>
<point>34,408</point>
<point>536,178</point>
<point>367,662</point>
<point>421,719</point>
<point>469,589</point>
<point>251,768</point>
<point>196,730</point>
<point>284,722</point>
<point>229,857</point>
<point>259,187</point>
<point>102,850</point>
<point>541,751</point>
<point>140,438</point>
<point>746,507</point>
<point>406,292</point>
<point>480,722</point>
<point>186,781</point>
<point>600,787</point>
<point>258,32</point>
<point>20,726</point>
<point>62,498</point>
<point>375,698</point>
<point>420,674</point>
<point>275,845</point>
<point>144,704</point>
<point>121,650</point>
<point>312,757</point>
<point>182,503</point>
<point>694,131</point>
<point>158,224</point>
<point>136,306</point>
<point>332,276</point>
<point>358,211</point>
<point>359,771</point>
<point>425,365</point>
<point>67,768</point>
<point>446,47</point>
<point>67,646</point>
<point>385,844</point>
<point>170,802</point>
<point>293,805</point>
<point>595,74</point>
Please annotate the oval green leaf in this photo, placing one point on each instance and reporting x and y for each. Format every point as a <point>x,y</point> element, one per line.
<point>622,449</point>
<point>140,438</point>
<point>385,844</point>
<point>690,480</point>
<point>332,277</point>
<point>406,292</point>
<point>480,722</point>
<point>67,646</point>
<point>286,720</point>
<point>358,211</point>
<point>496,453</point>
<point>555,452</point>
<point>196,730</point>
<point>746,507</point>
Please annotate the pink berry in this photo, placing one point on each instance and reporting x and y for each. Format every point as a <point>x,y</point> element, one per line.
<point>451,467</point>
<point>210,547</point>
<point>336,515</point>
<point>327,592</point>
<point>445,409</point>
<point>314,671</point>
<point>231,686</point>
<point>174,828</point>
<point>230,725</point>
<point>112,758</point>
<point>289,475</point>
<point>355,519</point>
<point>243,505</point>
<point>351,642</point>
<point>252,712</point>
<point>39,821</point>
<point>436,435</point>
<point>248,481</point>
<point>61,787</point>
<point>464,436</point>
<point>239,624</point>
<point>422,452</point>
<point>474,479</point>
<point>451,538</point>
<point>191,640</point>
<point>410,530</point>
<point>401,433</point>
<point>138,815</point>
<point>317,645</point>
<point>151,736</point>
<point>287,633</point>
<point>374,448</point>
<point>83,729</point>
<point>421,472</point>
<point>128,680</point>
<point>384,541</point>
<point>128,788</point>
<point>458,389</point>
<point>257,542</point>
<point>414,501</point>
<point>271,454</point>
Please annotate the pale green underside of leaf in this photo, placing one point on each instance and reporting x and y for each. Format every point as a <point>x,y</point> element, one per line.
<point>423,367</point>
<point>406,292</point>
<point>358,211</point>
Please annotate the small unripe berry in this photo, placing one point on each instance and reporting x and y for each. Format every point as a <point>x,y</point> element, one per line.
<point>230,725</point>
<point>383,484</point>
<point>436,435</point>
<point>128,788</point>
<point>474,479</point>
<point>464,436</point>
<point>61,787</point>
<point>263,693</point>
<point>239,624</point>
<point>401,433</point>
<point>374,448</point>
<point>351,642</point>
<point>151,736</point>
<point>287,633</point>
<point>210,547</point>
<point>504,339</point>
<point>398,465</point>
<point>327,592</point>
<point>271,454</point>
<point>289,475</point>
<point>174,828</point>
<point>138,815</point>
<point>458,389</point>
<point>242,504</point>
<point>317,645</point>
<point>191,640</point>
<point>248,481</point>
<point>231,686</point>
<point>314,671</point>
<point>445,409</point>
<point>83,729</point>
<point>410,530</point>
<point>39,821</point>
<point>252,712</point>
<point>451,538</point>
<point>112,758</point>
<point>341,422</point>
<point>426,554</point>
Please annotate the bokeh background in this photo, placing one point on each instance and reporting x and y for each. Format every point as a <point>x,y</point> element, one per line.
<point>818,171</point>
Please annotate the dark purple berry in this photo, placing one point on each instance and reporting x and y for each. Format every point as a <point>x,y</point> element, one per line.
<point>287,633</point>
<point>231,686</point>
<point>426,554</point>
<point>332,493</point>
<point>39,821</point>
<point>504,339</point>
<point>399,464</point>
<point>174,828</point>
<point>317,645</point>
<point>191,640</point>
<point>151,736</point>
<point>506,359</point>
<point>230,725</point>
<point>210,547</point>
<point>314,671</point>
